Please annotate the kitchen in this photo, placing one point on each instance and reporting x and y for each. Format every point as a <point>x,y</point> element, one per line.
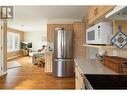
<point>102,71</point>
<point>94,67</point>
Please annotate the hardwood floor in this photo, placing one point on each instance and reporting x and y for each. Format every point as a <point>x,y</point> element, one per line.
<point>30,76</point>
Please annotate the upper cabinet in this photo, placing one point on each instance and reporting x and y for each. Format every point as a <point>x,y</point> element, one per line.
<point>51,28</point>
<point>97,12</point>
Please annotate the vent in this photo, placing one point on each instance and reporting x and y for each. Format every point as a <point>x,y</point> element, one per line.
<point>124,13</point>
<point>118,13</point>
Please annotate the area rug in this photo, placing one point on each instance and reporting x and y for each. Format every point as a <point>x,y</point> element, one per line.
<point>13,64</point>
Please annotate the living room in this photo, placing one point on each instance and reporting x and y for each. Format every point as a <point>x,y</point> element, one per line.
<point>27,33</point>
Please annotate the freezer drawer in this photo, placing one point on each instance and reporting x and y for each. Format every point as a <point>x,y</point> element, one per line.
<point>63,68</point>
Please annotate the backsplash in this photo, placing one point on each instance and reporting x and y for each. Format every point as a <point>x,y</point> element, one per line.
<point>117,52</point>
<point>91,52</point>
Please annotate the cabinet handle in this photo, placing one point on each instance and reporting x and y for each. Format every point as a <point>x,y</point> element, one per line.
<point>96,11</point>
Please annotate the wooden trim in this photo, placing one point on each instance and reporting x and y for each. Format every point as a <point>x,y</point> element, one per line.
<point>19,52</point>
<point>14,30</point>
<point>5,45</point>
<point>14,57</point>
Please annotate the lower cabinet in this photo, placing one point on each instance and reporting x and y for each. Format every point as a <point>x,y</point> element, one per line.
<point>48,62</point>
<point>78,78</point>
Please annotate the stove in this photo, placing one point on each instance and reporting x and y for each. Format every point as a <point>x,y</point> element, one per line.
<point>99,81</point>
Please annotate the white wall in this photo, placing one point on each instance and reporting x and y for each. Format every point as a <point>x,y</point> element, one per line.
<point>63,21</point>
<point>38,37</point>
<point>35,38</point>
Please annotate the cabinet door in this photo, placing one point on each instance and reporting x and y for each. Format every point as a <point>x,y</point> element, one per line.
<point>104,10</point>
<point>48,62</point>
<point>81,80</point>
<point>93,14</point>
<point>78,78</point>
<point>97,12</point>
<point>90,15</point>
<point>77,85</point>
<point>80,74</point>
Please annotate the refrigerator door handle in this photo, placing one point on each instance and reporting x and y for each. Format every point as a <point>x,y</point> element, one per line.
<point>61,44</point>
<point>62,37</point>
<point>63,60</point>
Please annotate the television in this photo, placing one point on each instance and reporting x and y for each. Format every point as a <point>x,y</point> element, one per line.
<point>26,45</point>
<point>29,45</point>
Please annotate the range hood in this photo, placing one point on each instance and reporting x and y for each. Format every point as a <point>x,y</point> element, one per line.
<point>118,13</point>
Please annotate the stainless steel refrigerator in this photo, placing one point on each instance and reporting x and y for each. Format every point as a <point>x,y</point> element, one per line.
<point>63,65</point>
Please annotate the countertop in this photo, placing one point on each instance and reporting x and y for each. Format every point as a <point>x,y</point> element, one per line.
<point>91,67</point>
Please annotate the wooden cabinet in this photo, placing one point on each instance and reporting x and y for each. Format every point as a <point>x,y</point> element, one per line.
<point>91,15</point>
<point>79,39</point>
<point>48,62</point>
<point>78,78</point>
<point>51,28</point>
<point>97,12</point>
<point>79,30</point>
<point>117,23</point>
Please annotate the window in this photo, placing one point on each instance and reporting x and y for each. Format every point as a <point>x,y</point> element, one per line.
<point>13,42</point>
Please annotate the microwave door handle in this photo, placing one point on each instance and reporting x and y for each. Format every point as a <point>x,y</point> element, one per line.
<point>99,34</point>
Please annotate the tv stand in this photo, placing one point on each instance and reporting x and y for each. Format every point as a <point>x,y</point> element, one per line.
<point>25,52</point>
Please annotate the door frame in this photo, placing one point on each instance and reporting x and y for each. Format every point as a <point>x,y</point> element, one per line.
<point>1,45</point>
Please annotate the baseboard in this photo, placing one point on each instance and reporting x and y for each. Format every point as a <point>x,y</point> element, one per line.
<point>14,57</point>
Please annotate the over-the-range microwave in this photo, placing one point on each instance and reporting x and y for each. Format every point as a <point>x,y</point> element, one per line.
<point>99,33</point>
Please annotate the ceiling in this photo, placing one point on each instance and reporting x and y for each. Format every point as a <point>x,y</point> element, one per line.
<point>35,18</point>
